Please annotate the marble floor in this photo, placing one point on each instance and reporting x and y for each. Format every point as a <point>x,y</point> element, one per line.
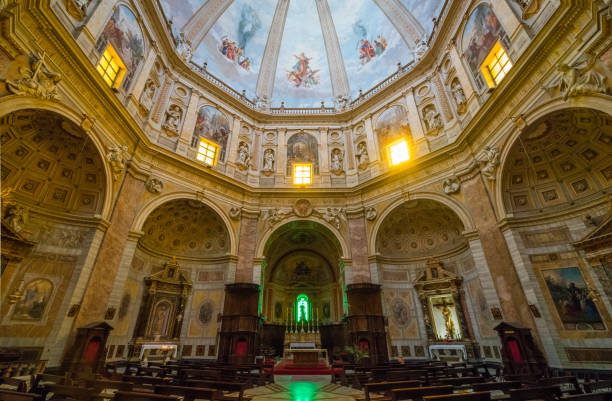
<point>303,388</point>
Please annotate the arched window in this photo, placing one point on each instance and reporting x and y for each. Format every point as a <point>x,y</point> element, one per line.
<point>302,308</point>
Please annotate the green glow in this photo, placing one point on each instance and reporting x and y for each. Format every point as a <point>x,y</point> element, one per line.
<point>302,391</point>
<point>345,300</point>
<point>302,307</point>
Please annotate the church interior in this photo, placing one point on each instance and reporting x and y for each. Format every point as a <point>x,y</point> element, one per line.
<point>306,200</point>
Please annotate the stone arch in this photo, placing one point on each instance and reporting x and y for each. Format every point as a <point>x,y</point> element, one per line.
<point>265,239</point>
<point>155,203</point>
<point>565,161</point>
<point>451,203</point>
<point>10,104</point>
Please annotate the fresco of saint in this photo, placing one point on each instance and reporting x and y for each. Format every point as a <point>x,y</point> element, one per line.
<point>301,74</point>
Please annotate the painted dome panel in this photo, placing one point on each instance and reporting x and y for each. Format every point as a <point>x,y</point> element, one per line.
<point>302,74</point>
<point>234,47</point>
<point>371,46</point>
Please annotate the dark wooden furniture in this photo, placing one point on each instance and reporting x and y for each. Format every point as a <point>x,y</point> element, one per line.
<point>460,381</point>
<point>564,382</point>
<point>65,391</point>
<point>386,387</point>
<point>417,393</point>
<point>548,393</point>
<point>481,396</point>
<point>135,396</point>
<point>87,354</point>
<point>520,354</point>
<point>239,324</point>
<point>188,393</point>
<point>231,387</point>
<point>607,396</point>
<point>592,387</point>
<point>9,395</point>
<point>502,386</point>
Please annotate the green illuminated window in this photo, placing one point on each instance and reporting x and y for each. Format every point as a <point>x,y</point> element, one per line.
<point>302,307</point>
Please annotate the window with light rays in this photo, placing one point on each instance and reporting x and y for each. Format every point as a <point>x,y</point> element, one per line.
<point>302,307</point>
<point>302,173</point>
<point>111,67</point>
<point>398,152</point>
<point>496,65</point>
<point>207,152</point>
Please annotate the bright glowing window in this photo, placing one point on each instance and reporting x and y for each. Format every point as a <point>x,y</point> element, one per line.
<point>496,65</point>
<point>302,174</point>
<point>207,152</point>
<point>111,67</point>
<point>302,306</point>
<point>398,152</point>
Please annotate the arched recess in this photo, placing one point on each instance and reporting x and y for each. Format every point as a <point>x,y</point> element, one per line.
<point>269,236</point>
<point>560,160</point>
<point>447,201</point>
<point>13,104</point>
<point>302,147</point>
<point>598,103</point>
<point>156,202</point>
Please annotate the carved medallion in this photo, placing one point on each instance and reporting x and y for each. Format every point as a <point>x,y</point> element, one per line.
<point>302,208</point>
<point>399,312</point>
<point>206,311</point>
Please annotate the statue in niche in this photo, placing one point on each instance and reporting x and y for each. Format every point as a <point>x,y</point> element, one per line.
<point>77,8</point>
<point>458,96</point>
<point>433,121</point>
<point>582,77</point>
<point>337,162</point>
<point>268,161</point>
<point>448,321</point>
<point>362,156</point>
<point>160,322</point>
<point>244,160</point>
<point>148,93</point>
<point>36,80</point>
<point>184,48</point>
<point>173,120</point>
<point>16,217</point>
<point>491,161</point>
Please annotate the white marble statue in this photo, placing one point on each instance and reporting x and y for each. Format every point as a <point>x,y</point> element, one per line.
<point>362,156</point>
<point>148,93</point>
<point>582,77</point>
<point>268,161</point>
<point>337,162</point>
<point>244,160</point>
<point>451,185</point>
<point>118,157</point>
<point>433,121</point>
<point>491,162</point>
<point>458,94</point>
<point>173,118</point>
<point>184,48</point>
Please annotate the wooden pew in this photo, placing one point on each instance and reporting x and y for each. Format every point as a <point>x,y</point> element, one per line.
<point>460,381</point>
<point>548,393</point>
<point>386,387</point>
<point>417,393</point>
<point>480,396</point>
<point>564,382</point>
<point>221,386</point>
<point>145,381</point>
<point>491,386</point>
<point>135,396</point>
<point>607,396</point>
<point>44,378</point>
<point>66,391</point>
<point>592,387</point>
<point>15,384</point>
<point>9,395</point>
<point>188,393</point>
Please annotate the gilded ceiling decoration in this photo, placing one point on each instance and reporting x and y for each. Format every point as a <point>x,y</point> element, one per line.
<point>185,228</point>
<point>559,159</point>
<point>50,161</point>
<point>419,228</point>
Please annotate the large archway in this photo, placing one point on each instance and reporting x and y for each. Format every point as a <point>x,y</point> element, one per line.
<point>302,283</point>
<point>431,289</point>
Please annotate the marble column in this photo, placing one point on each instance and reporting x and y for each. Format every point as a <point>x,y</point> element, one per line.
<point>371,140</point>
<point>512,299</point>
<point>409,28</point>
<point>162,101</point>
<point>102,279</point>
<point>281,156</point>
<point>359,245</point>
<point>416,128</point>
<point>232,152</point>
<point>324,157</point>
<point>198,25</point>
<point>191,116</point>
<point>267,71</point>
<point>247,240</point>
<point>337,70</point>
<point>441,93</point>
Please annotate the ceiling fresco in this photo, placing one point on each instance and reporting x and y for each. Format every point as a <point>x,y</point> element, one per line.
<point>234,47</point>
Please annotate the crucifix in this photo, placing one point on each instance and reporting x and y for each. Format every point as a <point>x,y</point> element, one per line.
<point>448,316</point>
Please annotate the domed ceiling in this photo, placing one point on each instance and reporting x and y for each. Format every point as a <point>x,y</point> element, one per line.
<point>244,37</point>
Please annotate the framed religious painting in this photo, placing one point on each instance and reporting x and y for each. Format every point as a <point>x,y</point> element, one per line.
<point>572,303</point>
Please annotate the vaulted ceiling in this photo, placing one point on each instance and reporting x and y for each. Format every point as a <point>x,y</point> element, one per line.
<point>302,52</point>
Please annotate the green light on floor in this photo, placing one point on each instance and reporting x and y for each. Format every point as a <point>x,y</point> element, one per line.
<point>302,391</point>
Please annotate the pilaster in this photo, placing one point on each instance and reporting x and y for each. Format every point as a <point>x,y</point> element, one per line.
<point>442,96</point>
<point>233,143</point>
<point>267,72</point>
<point>196,27</point>
<point>247,240</point>
<point>416,128</point>
<point>191,116</point>
<point>162,101</point>
<point>324,158</point>
<point>337,70</point>
<point>359,245</point>
<point>409,28</point>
